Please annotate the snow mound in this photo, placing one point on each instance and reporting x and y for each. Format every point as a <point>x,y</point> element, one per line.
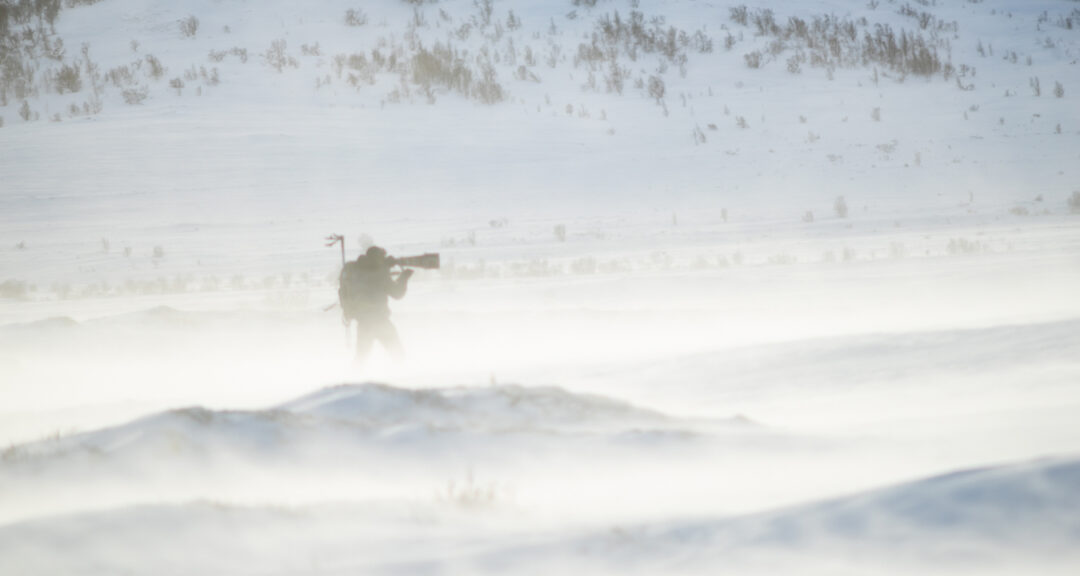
<point>1012,519</point>
<point>181,431</point>
<point>156,538</point>
<point>982,514</point>
<point>361,414</point>
<point>499,407</point>
<point>54,323</point>
<point>168,317</point>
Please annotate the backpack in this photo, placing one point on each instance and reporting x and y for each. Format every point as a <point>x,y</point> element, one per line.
<point>359,289</point>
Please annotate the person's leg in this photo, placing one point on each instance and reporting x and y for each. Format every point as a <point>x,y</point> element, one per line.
<point>365,338</point>
<point>388,337</point>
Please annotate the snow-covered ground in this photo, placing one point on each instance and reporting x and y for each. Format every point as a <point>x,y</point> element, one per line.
<point>723,290</point>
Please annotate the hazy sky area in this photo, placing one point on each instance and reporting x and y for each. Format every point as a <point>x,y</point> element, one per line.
<point>755,287</point>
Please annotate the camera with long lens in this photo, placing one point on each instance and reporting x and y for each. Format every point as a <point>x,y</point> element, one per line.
<point>429,261</point>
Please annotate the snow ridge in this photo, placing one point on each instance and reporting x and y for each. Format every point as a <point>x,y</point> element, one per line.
<point>369,412</point>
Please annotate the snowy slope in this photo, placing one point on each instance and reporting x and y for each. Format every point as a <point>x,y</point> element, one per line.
<point>370,410</point>
<point>1000,520</point>
<point>496,408</point>
<point>266,163</point>
<point>331,437</point>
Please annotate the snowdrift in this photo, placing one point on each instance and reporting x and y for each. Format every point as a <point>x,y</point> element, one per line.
<point>1034,504</point>
<point>1006,518</point>
<point>349,416</point>
<point>367,441</point>
<point>995,519</point>
<point>506,406</point>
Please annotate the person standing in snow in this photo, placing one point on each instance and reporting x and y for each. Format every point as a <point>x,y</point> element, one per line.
<point>364,289</point>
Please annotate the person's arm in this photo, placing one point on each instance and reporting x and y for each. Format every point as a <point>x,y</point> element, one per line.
<point>398,287</point>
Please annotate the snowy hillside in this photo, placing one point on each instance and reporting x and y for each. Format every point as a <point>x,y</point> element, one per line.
<point>263,128</point>
<point>997,520</point>
<point>749,287</point>
<point>337,432</point>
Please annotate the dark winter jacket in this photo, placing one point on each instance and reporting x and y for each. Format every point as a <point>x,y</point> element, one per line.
<point>365,286</point>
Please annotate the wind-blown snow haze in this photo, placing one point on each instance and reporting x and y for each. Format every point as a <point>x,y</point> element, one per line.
<point>750,287</point>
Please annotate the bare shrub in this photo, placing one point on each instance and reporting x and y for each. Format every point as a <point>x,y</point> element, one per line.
<point>729,42</point>
<point>794,65</point>
<point>68,79</point>
<point>485,8</point>
<point>656,88</point>
<point>584,265</point>
<point>488,90</point>
<point>614,35</point>
<point>133,96</point>
<point>699,135</point>
<point>1074,202</point>
<point>615,79</point>
<point>523,73</point>
<point>15,289</point>
<point>1059,90</point>
<point>93,106</point>
<point>1070,21</point>
<point>739,15</point>
<point>277,57</point>
<point>840,207</point>
<point>701,42</point>
<point>443,66</point>
<point>121,76</point>
<point>358,65</point>
<point>157,70</point>
<point>830,42</point>
<point>355,17</point>
<point>960,246</point>
<point>189,27</point>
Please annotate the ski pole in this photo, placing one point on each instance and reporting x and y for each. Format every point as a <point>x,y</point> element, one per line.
<point>331,240</point>
<point>337,239</point>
